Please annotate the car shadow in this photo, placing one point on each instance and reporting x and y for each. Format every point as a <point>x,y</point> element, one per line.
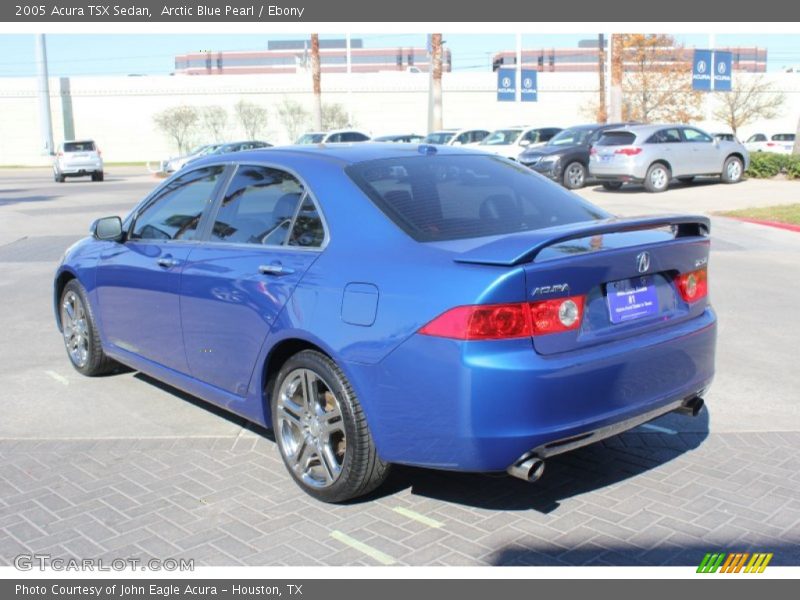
<point>638,188</point>
<point>587,469</point>
<point>26,200</point>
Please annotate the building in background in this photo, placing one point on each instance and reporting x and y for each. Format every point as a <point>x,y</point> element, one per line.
<point>292,56</point>
<point>584,58</point>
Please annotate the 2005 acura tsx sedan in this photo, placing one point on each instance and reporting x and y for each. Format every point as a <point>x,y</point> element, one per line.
<point>378,304</point>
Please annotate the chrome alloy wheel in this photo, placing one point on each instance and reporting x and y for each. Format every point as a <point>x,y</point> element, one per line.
<point>75,328</point>
<point>310,428</point>
<point>734,170</point>
<point>658,177</point>
<point>575,175</point>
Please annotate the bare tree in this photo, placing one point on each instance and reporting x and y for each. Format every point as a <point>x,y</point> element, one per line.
<point>334,116</point>
<point>179,123</point>
<point>215,121</point>
<point>293,117</point>
<point>252,118</point>
<point>316,81</point>
<point>750,99</point>
<point>602,114</point>
<point>656,84</point>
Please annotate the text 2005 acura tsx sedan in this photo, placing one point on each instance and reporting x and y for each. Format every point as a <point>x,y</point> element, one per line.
<point>379,304</point>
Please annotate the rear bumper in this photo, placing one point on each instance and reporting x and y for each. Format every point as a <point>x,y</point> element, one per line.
<point>479,406</point>
<point>79,170</point>
<point>620,170</point>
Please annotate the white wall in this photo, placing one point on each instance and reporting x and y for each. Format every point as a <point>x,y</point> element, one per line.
<point>117,111</point>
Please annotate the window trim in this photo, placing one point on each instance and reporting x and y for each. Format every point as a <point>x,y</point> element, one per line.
<point>205,236</point>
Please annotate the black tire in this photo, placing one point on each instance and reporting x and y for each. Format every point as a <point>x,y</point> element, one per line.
<point>612,185</point>
<point>732,170</point>
<point>361,469</point>
<point>58,178</point>
<point>98,176</point>
<point>574,175</point>
<point>657,178</point>
<point>687,179</point>
<point>96,362</point>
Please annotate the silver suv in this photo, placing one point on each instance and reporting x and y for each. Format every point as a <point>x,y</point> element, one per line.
<point>77,158</point>
<point>654,154</point>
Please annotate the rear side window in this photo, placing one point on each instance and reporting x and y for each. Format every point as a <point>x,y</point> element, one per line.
<point>258,207</point>
<point>665,136</point>
<point>308,231</point>
<point>783,137</point>
<point>617,138</point>
<point>757,137</point>
<point>79,146</point>
<point>437,198</point>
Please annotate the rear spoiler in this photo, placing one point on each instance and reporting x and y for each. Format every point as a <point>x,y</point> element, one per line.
<point>523,247</point>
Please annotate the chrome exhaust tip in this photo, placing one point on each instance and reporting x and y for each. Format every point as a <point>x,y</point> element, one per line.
<point>692,406</point>
<point>528,468</point>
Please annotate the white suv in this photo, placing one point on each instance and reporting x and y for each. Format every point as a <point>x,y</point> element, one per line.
<point>77,158</point>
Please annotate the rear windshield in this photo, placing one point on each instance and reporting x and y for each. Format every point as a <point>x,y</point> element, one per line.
<point>310,138</point>
<point>783,137</point>
<point>439,137</point>
<point>617,138</point>
<point>438,198</point>
<point>79,146</point>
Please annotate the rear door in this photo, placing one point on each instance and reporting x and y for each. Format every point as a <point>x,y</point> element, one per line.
<point>138,282</point>
<point>263,236</point>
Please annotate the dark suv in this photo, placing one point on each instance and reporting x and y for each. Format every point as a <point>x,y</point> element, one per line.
<point>565,158</point>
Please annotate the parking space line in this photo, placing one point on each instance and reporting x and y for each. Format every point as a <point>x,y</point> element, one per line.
<point>659,429</point>
<point>418,517</point>
<point>57,377</point>
<point>373,553</point>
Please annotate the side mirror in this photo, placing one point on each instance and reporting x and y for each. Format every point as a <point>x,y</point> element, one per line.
<point>107,229</point>
<point>524,143</point>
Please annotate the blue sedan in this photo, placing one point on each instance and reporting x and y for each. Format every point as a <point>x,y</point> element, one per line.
<point>381,304</point>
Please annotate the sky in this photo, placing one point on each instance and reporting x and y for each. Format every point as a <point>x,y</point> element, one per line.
<point>153,54</point>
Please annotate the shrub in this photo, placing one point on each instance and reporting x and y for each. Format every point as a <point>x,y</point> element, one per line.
<point>793,166</point>
<point>766,164</point>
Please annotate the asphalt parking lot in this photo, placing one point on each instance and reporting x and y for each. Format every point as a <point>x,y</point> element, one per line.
<point>123,466</point>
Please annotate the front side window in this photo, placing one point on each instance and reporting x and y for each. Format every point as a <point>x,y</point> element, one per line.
<point>438,198</point>
<point>695,136</point>
<point>258,207</point>
<point>175,212</point>
<point>501,137</point>
<point>757,137</point>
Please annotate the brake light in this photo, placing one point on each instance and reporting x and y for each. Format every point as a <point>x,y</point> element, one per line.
<point>693,286</point>
<point>555,316</point>
<point>59,154</point>
<point>507,321</point>
<point>99,153</point>
<point>593,151</point>
<point>628,151</point>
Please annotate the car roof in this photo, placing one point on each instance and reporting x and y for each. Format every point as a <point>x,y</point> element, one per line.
<point>652,128</point>
<point>344,153</point>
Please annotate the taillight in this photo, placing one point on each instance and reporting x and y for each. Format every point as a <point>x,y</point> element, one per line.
<point>99,153</point>
<point>555,316</point>
<point>59,154</point>
<point>770,144</point>
<point>506,321</point>
<point>628,151</point>
<point>593,151</point>
<point>693,286</point>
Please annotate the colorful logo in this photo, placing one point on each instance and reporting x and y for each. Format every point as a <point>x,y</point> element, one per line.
<point>734,562</point>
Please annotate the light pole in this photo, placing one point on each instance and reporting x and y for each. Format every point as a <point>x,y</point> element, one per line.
<point>43,92</point>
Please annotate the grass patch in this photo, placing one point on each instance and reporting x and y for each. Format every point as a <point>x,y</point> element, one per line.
<point>787,213</point>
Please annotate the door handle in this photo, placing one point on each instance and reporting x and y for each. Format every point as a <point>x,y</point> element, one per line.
<point>274,269</point>
<point>167,263</point>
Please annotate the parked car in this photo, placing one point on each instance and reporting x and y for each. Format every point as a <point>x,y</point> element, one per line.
<point>178,162</point>
<point>78,158</point>
<point>782,143</point>
<point>725,137</point>
<point>332,137</point>
<point>455,137</point>
<point>654,154</point>
<point>404,138</point>
<point>376,304</point>
<point>565,158</point>
<point>230,147</point>
<point>511,141</point>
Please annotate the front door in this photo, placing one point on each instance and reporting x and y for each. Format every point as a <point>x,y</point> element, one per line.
<point>138,281</point>
<point>266,233</point>
<point>705,155</point>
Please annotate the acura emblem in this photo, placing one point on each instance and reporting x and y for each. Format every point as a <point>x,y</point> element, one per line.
<point>643,262</point>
